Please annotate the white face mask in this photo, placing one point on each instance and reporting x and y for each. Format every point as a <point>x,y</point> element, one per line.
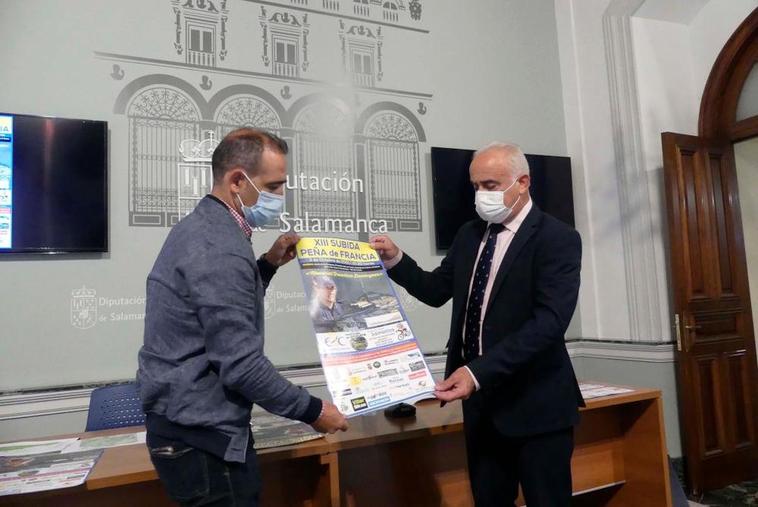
<point>265,211</point>
<point>490,206</point>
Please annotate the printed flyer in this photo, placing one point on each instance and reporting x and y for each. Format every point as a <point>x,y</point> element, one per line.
<point>370,356</point>
<point>43,472</point>
<point>270,430</point>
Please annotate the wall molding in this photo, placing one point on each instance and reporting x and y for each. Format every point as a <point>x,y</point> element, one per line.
<point>644,292</point>
<point>45,403</point>
<point>61,401</point>
<point>639,352</point>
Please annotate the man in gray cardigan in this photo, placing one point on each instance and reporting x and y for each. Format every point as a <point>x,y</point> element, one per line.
<point>202,365</point>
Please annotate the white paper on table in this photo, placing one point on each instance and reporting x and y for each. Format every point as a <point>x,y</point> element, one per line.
<point>43,472</point>
<point>35,447</point>
<point>607,391</point>
<point>87,444</point>
<point>598,390</point>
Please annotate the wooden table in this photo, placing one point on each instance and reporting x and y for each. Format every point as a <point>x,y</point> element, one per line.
<point>619,459</point>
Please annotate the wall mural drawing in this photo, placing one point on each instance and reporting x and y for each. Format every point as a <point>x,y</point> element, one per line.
<point>360,161</point>
<point>204,27</point>
<point>159,119</point>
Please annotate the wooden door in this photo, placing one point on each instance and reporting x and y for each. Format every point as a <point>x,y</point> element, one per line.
<point>716,363</point>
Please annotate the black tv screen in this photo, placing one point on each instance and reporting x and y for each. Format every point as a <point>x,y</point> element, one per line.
<point>454,195</point>
<point>53,185</point>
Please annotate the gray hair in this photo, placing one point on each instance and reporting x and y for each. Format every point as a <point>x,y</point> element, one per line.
<point>516,160</point>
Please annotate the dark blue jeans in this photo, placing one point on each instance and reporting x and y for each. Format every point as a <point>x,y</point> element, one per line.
<point>193,477</point>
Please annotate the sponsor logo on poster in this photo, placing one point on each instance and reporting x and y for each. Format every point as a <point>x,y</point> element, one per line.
<point>379,401</point>
<point>416,366</point>
<point>359,403</point>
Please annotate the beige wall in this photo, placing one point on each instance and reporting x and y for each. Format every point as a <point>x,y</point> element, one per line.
<point>746,159</point>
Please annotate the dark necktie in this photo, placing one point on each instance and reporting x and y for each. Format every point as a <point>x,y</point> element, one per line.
<point>476,297</point>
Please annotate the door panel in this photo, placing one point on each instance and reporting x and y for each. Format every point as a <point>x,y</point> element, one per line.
<point>716,363</point>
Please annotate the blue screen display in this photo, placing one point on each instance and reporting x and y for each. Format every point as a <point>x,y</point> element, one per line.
<point>6,181</point>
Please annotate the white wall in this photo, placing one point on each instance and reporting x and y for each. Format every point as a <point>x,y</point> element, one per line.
<point>469,72</point>
<point>673,61</point>
<point>710,30</point>
<point>589,138</point>
<point>746,160</point>
<point>667,103</point>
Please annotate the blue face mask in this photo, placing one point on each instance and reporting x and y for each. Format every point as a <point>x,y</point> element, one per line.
<point>265,211</point>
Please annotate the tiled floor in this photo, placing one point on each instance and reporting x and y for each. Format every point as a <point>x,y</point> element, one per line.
<point>737,495</point>
<point>744,494</point>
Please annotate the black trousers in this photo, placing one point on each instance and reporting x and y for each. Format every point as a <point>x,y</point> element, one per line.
<point>498,464</point>
<point>193,477</point>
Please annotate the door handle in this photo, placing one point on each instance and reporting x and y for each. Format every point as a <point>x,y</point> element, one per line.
<point>677,328</point>
<point>688,339</point>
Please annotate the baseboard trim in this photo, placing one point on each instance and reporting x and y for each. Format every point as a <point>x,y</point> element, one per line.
<point>42,404</point>
<point>67,401</point>
<point>76,399</point>
<point>622,351</point>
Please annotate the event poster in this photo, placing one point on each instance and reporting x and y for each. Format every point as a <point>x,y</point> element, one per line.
<point>370,356</point>
<point>43,472</point>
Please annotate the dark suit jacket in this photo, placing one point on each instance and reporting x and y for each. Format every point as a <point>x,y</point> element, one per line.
<point>527,381</point>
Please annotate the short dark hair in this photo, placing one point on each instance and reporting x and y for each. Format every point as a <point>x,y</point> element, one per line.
<point>242,148</point>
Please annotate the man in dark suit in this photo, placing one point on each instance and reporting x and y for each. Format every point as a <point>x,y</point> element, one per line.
<point>514,279</point>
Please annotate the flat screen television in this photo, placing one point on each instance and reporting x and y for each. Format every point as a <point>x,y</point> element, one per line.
<point>454,196</point>
<point>53,185</point>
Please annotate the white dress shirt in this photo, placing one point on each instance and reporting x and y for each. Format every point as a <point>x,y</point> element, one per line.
<point>504,239</point>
